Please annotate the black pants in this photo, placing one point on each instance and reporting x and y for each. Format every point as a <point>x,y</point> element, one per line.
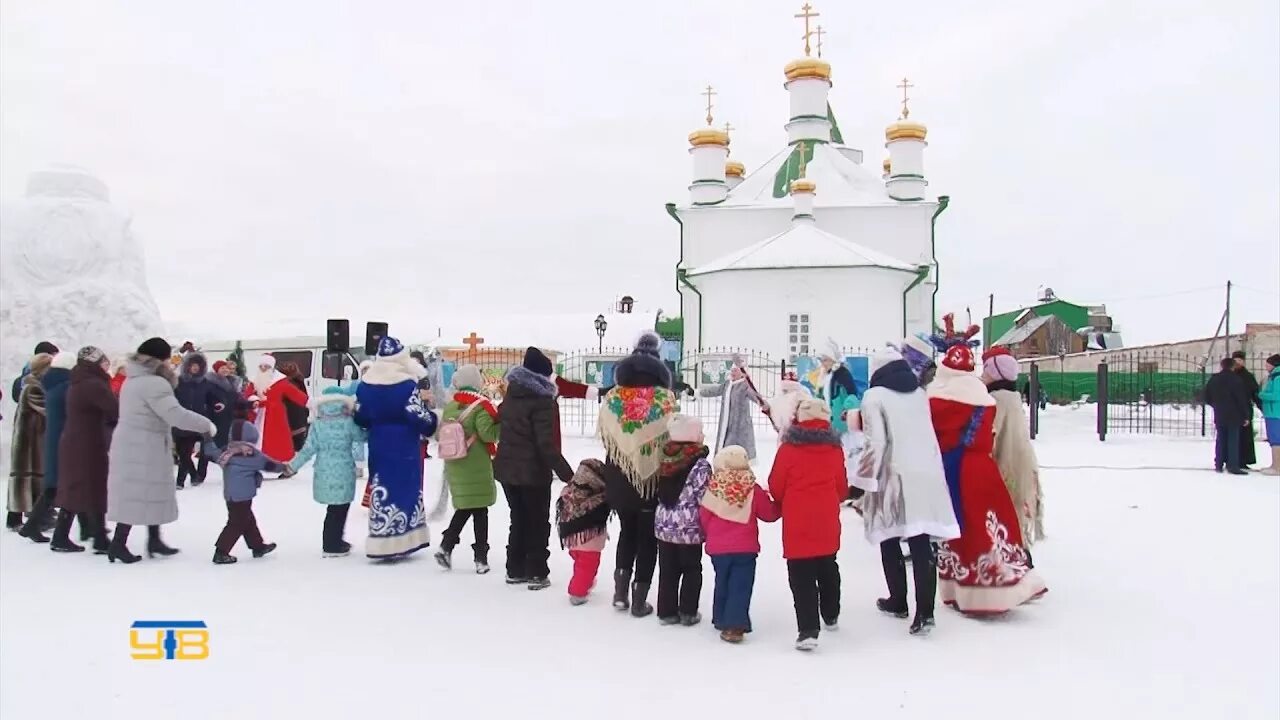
<point>335,523</point>
<point>240,523</point>
<point>479,527</point>
<point>530,534</point>
<point>679,579</point>
<point>815,588</point>
<point>923,567</point>
<point>637,547</point>
<point>1226,449</point>
<point>196,470</point>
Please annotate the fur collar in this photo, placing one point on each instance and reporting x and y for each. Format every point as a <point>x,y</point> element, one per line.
<point>63,361</point>
<point>199,359</point>
<point>318,404</point>
<point>393,370</point>
<point>811,432</point>
<point>641,370</point>
<point>143,365</point>
<point>959,386</point>
<point>522,378</point>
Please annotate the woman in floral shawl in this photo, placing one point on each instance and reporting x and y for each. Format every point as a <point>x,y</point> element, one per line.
<point>633,427</point>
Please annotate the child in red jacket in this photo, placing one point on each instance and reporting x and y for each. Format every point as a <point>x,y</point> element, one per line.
<point>730,511</point>
<point>808,482</point>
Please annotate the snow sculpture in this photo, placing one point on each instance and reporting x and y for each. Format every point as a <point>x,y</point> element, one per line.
<point>71,271</point>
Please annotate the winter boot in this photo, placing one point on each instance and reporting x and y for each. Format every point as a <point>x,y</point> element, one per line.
<point>62,534</point>
<point>156,546</point>
<point>921,625</point>
<point>889,606</point>
<point>86,526</point>
<point>481,557</point>
<point>541,582</point>
<point>895,579</point>
<point>575,601</point>
<point>13,521</point>
<point>621,581</point>
<point>36,519</point>
<point>119,547</point>
<point>640,606</point>
<point>444,556</point>
<point>732,636</point>
<point>264,551</point>
<point>690,620</point>
<point>925,573</point>
<point>673,620</point>
<point>221,558</point>
<point>806,643</point>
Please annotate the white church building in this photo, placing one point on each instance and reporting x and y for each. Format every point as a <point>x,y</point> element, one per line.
<point>812,244</point>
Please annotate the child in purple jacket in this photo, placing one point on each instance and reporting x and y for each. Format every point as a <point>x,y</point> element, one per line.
<point>682,479</point>
<point>732,507</point>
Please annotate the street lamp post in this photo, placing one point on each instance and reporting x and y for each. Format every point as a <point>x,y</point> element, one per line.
<point>601,325</point>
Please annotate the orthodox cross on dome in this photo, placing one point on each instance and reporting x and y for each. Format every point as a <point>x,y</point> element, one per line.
<point>819,32</point>
<point>806,14</point>
<point>803,165</point>
<point>472,342</point>
<point>709,93</point>
<point>905,85</point>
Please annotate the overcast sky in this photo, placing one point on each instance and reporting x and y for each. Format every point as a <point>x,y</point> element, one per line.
<point>458,157</point>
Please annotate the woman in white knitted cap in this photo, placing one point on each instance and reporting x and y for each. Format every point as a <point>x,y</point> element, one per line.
<point>1013,451</point>
<point>900,468</point>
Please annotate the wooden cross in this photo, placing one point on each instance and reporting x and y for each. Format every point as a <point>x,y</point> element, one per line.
<point>806,15</point>
<point>473,342</point>
<point>709,93</point>
<point>819,32</point>
<point>904,86</point>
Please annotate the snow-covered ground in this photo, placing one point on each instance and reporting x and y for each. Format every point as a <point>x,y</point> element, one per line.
<point>1163,578</point>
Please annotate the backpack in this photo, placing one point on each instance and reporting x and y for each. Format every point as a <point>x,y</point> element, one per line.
<point>453,441</point>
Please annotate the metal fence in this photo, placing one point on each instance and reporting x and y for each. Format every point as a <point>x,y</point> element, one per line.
<point>1139,392</point>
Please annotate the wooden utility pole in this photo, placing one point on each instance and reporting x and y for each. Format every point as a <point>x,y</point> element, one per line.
<point>1228,319</point>
<point>991,312</point>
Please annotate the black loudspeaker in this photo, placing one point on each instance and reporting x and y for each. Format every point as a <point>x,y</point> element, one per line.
<point>373,334</point>
<point>338,336</point>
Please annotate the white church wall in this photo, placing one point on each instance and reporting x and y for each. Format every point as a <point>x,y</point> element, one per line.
<point>752,308</point>
<point>901,231</point>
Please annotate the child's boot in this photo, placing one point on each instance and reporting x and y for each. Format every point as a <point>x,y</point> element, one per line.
<point>640,606</point>
<point>481,558</point>
<point>444,557</point>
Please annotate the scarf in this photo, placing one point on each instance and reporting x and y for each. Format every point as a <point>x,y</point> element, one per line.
<point>678,459</point>
<point>730,494</point>
<point>1002,385</point>
<point>465,398</point>
<point>633,427</point>
<point>581,513</point>
<point>235,449</point>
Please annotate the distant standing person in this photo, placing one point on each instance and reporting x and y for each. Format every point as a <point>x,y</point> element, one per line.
<point>1270,397</point>
<point>298,413</point>
<point>195,392</point>
<point>1248,443</point>
<point>26,467</point>
<point>55,384</point>
<point>1227,394</point>
<point>92,414</point>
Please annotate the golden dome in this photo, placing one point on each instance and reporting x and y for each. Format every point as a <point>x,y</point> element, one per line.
<point>733,168</point>
<point>808,67</point>
<point>886,165</point>
<point>708,136</point>
<point>803,185</point>
<point>905,130</point>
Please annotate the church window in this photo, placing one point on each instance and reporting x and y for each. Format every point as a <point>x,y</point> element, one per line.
<point>798,334</point>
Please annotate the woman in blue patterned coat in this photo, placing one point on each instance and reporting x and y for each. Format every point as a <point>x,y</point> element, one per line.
<point>337,444</point>
<point>387,405</point>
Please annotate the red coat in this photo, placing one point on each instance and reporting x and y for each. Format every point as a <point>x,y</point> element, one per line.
<point>272,418</point>
<point>808,481</point>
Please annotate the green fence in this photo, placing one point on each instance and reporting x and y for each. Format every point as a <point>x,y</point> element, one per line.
<point>1159,387</point>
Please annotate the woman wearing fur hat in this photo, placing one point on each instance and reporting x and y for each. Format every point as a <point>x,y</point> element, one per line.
<point>92,413</point>
<point>140,488</point>
<point>268,391</point>
<point>808,481</point>
<point>736,396</point>
<point>55,383</point>
<point>337,444</point>
<point>633,427</point>
<point>900,468</point>
<point>984,571</point>
<point>26,468</point>
<point>1013,451</point>
<point>782,407</point>
<point>197,393</point>
<point>387,405</point>
<point>470,477</point>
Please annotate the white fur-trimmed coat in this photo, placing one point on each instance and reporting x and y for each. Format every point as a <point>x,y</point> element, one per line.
<point>1016,458</point>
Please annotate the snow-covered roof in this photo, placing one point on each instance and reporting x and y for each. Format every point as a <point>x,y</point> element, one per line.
<point>803,245</point>
<point>562,332</point>
<point>840,180</point>
<point>1020,333</point>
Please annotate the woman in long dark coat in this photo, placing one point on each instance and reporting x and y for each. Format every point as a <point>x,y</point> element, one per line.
<point>54,383</point>
<point>299,415</point>
<point>26,469</point>
<point>92,412</point>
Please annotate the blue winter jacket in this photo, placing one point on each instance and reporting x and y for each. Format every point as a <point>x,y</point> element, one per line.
<point>56,382</point>
<point>337,444</point>
<point>242,464</point>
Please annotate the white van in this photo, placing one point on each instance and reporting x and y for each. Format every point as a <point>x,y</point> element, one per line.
<point>320,368</point>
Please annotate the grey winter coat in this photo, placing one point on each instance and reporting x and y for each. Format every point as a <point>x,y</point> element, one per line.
<point>242,464</point>
<point>140,485</point>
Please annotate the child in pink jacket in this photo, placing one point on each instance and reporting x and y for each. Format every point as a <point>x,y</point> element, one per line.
<point>582,519</point>
<point>729,512</point>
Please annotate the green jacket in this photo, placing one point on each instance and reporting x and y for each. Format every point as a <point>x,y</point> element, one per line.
<point>1270,396</point>
<point>471,478</point>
